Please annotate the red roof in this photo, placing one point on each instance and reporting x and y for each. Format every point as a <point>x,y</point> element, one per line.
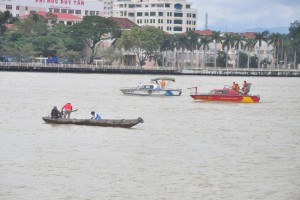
<point>64,16</point>
<point>9,26</point>
<point>248,34</point>
<point>207,32</point>
<point>124,23</point>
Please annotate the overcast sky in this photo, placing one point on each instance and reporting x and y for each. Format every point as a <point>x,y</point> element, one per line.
<point>241,15</point>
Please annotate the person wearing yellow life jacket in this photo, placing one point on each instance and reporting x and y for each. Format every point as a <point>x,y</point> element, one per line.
<point>237,88</point>
<point>233,86</point>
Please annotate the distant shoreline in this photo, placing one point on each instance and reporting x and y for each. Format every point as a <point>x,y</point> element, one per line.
<point>210,71</point>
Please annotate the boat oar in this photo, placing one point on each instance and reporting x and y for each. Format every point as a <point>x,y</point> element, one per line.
<point>74,110</point>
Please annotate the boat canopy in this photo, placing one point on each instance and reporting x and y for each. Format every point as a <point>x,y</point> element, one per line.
<point>164,78</point>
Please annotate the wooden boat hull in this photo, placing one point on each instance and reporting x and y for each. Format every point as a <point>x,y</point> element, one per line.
<point>124,123</point>
<point>227,98</point>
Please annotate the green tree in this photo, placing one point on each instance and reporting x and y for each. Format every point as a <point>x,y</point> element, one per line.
<point>259,38</point>
<point>275,40</point>
<point>249,46</point>
<point>228,43</point>
<point>204,44</point>
<point>4,18</point>
<point>142,41</point>
<point>221,59</point>
<point>295,37</point>
<point>217,38</point>
<point>93,30</point>
<point>192,41</point>
<point>238,41</point>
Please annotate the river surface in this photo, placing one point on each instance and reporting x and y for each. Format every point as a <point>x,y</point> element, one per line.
<point>183,150</point>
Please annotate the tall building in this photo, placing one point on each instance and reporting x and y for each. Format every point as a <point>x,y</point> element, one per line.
<point>172,16</point>
<point>80,8</point>
<point>108,7</point>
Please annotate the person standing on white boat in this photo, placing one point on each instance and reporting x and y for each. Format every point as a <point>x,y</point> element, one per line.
<point>95,116</point>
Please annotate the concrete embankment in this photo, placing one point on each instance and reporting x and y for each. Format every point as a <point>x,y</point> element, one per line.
<point>72,68</point>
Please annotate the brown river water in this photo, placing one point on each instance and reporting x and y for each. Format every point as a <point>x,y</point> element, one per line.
<point>183,150</point>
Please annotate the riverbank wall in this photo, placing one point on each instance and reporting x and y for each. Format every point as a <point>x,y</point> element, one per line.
<point>74,68</point>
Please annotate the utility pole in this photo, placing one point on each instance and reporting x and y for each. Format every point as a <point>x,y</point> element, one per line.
<point>206,21</point>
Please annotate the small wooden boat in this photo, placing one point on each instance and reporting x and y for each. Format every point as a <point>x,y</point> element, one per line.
<point>124,123</point>
<point>225,94</point>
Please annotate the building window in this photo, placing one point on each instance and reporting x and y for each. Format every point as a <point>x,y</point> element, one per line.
<point>177,14</point>
<point>8,7</point>
<point>26,8</point>
<point>177,21</point>
<point>56,10</point>
<point>17,7</point>
<point>131,6</point>
<point>121,6</point>
<point>131,14</point>
<point>71,11</point>
<point>69,23</point>
<point>97,13</point>
<point>139,14</point>
<point>86,12</point>
<point>188,6</point>
<point>160,5</point>
<point>167,5</point>
<point>146,14</point>
<point>194,15</point>
<point>153,5</point>
<point>160,14</point>
<point>50,10</point>
<point>63,10</point>
<point>152,13</point>
<point>78,12</point>
<point>177,28</point>
<point>92,13</point>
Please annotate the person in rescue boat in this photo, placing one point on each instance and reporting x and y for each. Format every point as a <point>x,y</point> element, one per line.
<point>68,109</point>
<point>245,87</point>
<point>162,84</point>
<point>95,116</point>
<point>233,86</point>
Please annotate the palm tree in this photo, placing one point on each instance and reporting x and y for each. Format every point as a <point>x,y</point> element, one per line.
<point>204,43</point>
<point>217,38</point>
<point>274,40</point>
<point>181,43</point>
<point>249,45</point>
<point>259,38</point>
<point>228,43</point>
<point>192,40</point>
<point>238,44</point>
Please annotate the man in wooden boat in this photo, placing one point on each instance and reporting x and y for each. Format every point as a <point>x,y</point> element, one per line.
<point>95,116</point>
<point>68,109</point>
<point>55,113</point>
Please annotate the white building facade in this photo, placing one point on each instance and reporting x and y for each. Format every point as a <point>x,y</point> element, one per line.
<point>172,16</point>
<point>79,8</point>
